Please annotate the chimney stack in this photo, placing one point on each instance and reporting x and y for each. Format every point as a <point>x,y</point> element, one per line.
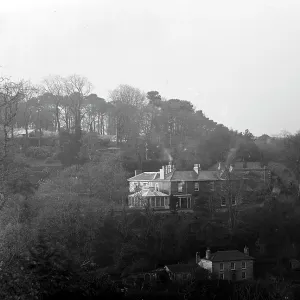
<point>162,172</point>
<point>246,250</point>
<point>208,253</point>
<point>197,168</point>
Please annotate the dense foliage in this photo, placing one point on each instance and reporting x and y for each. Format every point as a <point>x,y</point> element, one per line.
<point>65,234</point>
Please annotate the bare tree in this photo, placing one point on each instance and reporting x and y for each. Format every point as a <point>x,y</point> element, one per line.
<point>77,89</point>
<point>55,86</point>
<point>11,93</point>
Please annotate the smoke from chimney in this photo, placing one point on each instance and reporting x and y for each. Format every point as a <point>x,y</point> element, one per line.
<point>168,155</point>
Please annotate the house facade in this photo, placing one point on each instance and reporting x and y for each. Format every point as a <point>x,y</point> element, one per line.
<point>184,185</point>
<point>230,265</point>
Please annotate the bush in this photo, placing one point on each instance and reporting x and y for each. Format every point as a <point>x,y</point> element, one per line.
<point>51,160</point>
<point>38,152</point>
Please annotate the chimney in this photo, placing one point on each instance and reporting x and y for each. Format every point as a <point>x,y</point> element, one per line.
<point>246,250</point>
<point>137,172</point>
<point>207,256</point>
<point>197,168</point>
<point>162,172</point>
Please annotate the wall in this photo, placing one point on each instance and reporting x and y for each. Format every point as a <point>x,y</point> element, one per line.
<point>165,187</point>
<point>205,264</point>
<point>238,268</point>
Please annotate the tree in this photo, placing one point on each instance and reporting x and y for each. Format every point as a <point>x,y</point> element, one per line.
<point>54,87</point>
<point>11,93</point>
<point>77,89</point>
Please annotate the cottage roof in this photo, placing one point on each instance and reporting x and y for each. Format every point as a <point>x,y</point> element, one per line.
<point>148,193</point>
<point>181,268</point>
<point>230,255</point>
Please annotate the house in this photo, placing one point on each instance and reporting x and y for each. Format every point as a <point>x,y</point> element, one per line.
<point>184,185</point>
<point>228,265</point>
<point>181,272</point>
<point>247,170</point>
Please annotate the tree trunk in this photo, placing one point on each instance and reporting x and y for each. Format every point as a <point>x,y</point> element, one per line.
<point>57,118</point>
<point>40,129</point>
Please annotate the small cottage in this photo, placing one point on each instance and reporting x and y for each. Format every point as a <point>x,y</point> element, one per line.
<point>228,265</point>
<point>181,272</point>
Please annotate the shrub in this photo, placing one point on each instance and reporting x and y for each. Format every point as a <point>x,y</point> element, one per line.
<point>51,160</point>
<point>38,152</point>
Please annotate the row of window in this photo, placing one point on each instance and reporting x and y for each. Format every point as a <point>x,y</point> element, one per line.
<point>223,201</point>
<point>232,266</point>
<point>222,277</point>
<point>181,184</point>
<point>153,201</point>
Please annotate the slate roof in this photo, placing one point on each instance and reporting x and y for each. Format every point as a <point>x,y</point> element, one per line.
<point>182,268</point>
<point>146,176</point>
<point>178,176</point>
<point>184,176</point>
<point>208,176</point>
<point>230,255</point>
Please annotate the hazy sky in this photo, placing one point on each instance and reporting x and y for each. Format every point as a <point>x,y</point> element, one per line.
<point>238,61</point>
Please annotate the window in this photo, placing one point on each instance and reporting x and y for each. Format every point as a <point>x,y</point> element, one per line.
<point>167,201</point>
<point>232,266</point>
<point>221,267</point>
<point>156,186</point>
<point>221,276</point>
<point>129,202</point>
<point>180,187</point>
<point>196,186</point>
<point>244,275</point>
<point>184,276</point>
<point>152,202</point>
<point>243,265</point>
<point>162,201</point>
<point>233,202</point>
<point>157,201</point>
<point>223,201</point>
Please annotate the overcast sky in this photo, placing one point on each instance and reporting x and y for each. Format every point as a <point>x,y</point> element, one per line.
<point>238,61</point>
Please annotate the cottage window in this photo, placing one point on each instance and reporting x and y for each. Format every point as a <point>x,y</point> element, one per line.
<point>244,275</point>
<point>157,201</point>
<point>221,276</point>
<point>221,267</point>
<point>180,187</point>
<point>153,202</point>
<point>223,201</point>
<point>232,266</point>
<point>243,265</point>
<point>233,201</point>
<point>167,201</point>
<point>196,186</point>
